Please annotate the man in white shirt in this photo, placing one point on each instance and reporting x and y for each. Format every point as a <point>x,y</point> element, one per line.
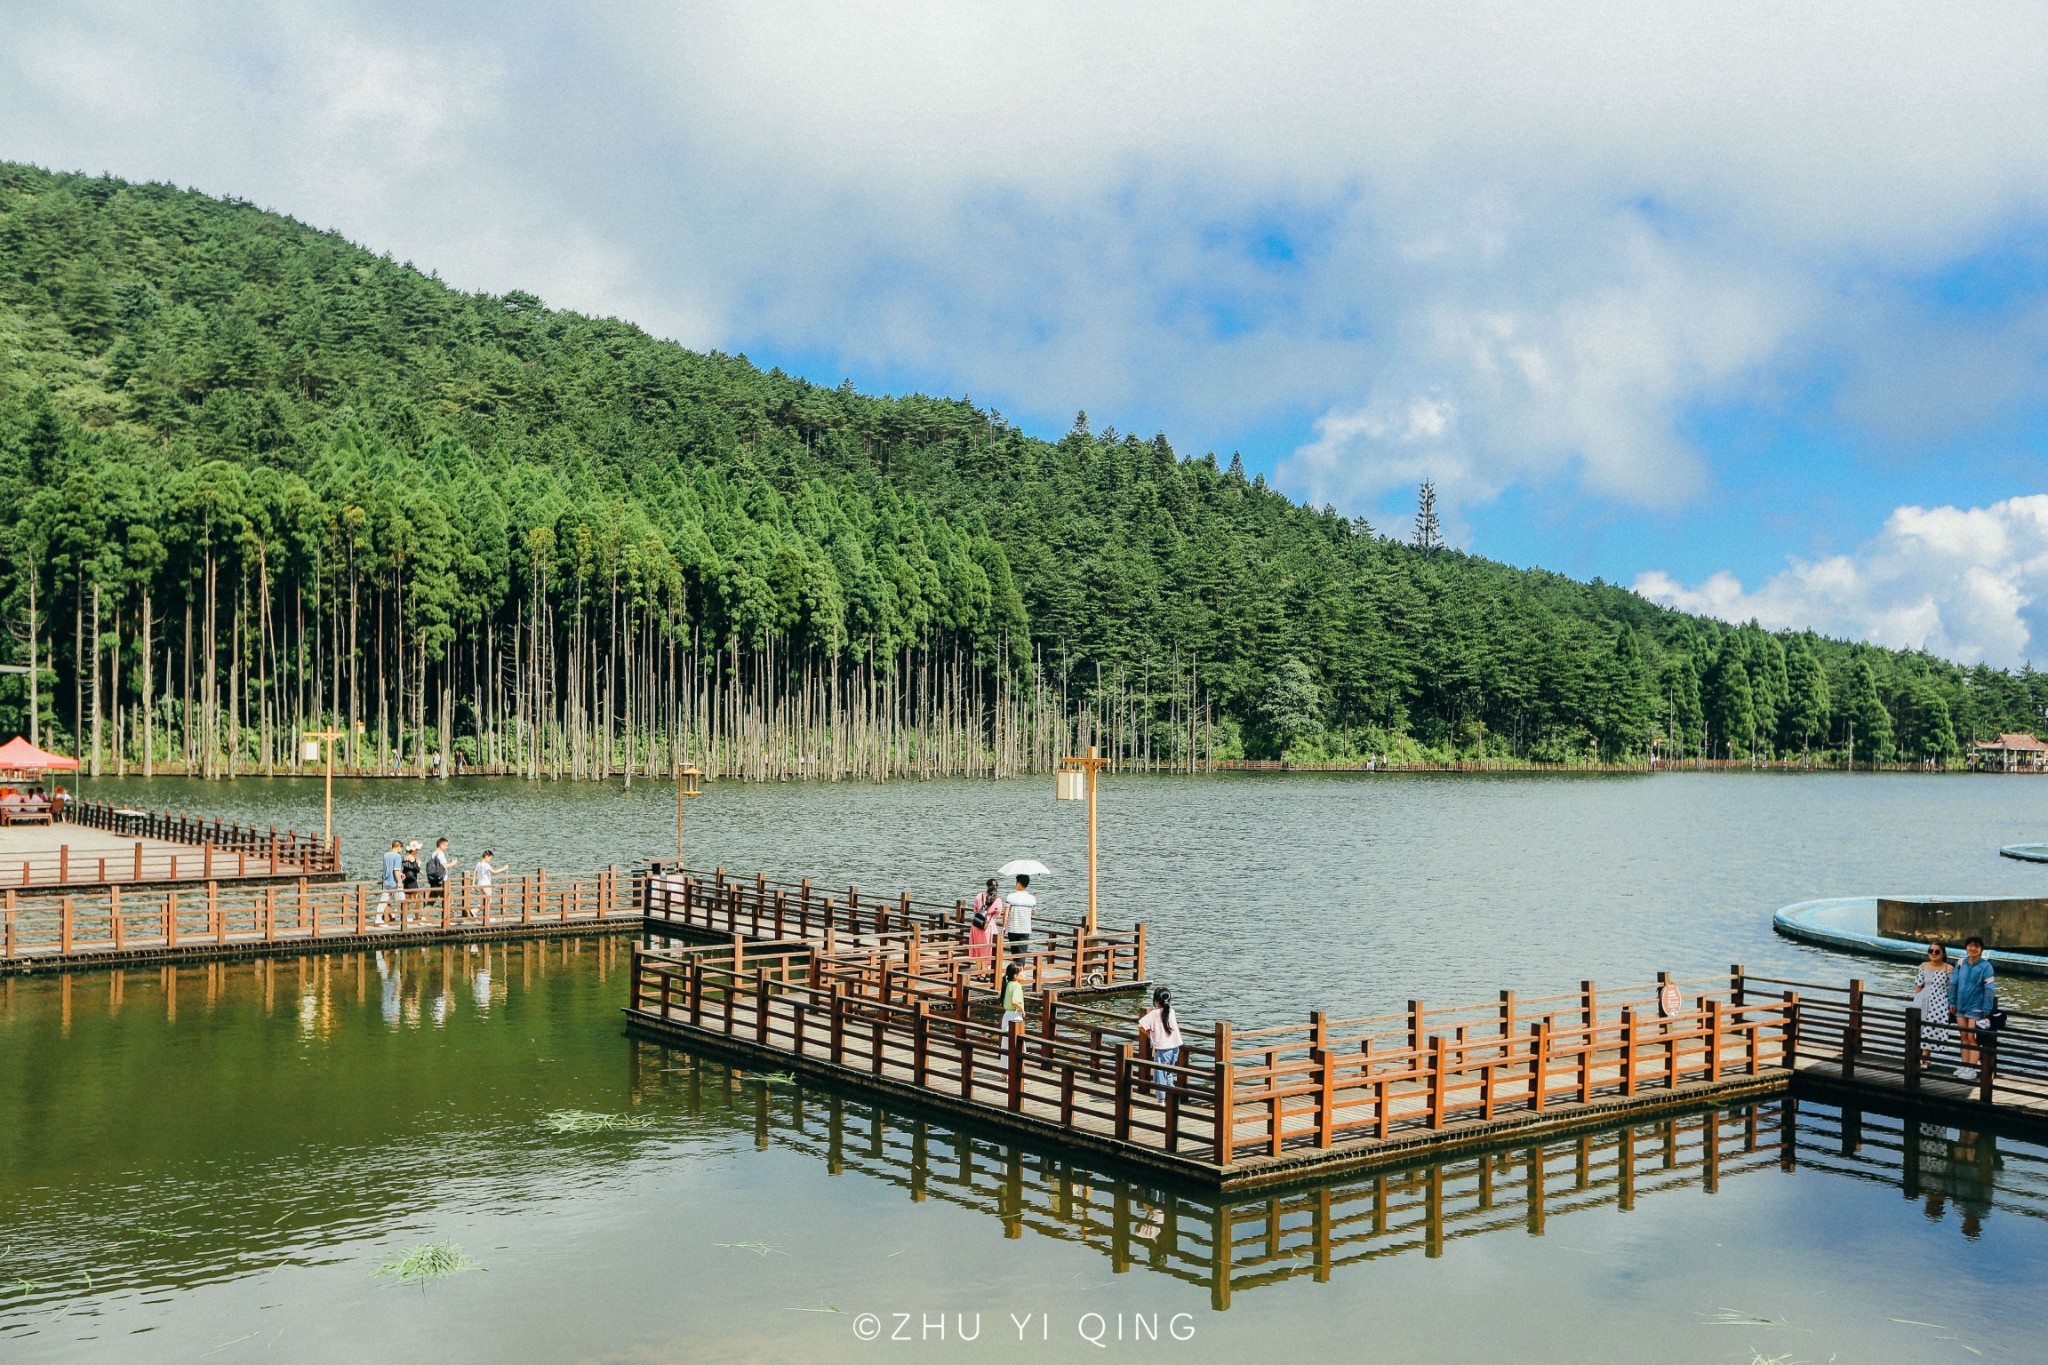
<point>1017,918</point>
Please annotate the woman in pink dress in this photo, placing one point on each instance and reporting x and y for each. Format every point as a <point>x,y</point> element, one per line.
<point>984,922</point>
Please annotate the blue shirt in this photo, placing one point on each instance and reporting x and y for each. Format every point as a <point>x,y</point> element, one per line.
<point>1974,988</point>
<point>393,860</point>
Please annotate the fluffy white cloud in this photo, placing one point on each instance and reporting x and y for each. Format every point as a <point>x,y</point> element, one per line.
<point>1965,584</point>
<point>1558,229</point>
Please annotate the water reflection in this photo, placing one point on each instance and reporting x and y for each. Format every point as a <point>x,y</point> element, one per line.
<point>177,1142</point>
<point>1235,1243</point>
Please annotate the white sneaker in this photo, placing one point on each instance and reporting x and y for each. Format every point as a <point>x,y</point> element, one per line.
<point>1966,1074</point>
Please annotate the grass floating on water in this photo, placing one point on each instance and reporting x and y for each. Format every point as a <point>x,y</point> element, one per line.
<point>429,1261</point>
<point>588,1121</point>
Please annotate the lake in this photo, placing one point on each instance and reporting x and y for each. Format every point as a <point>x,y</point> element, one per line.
<point>213,1162</point>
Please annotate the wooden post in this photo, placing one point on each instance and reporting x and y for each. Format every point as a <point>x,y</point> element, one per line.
<point>1415,1026</point>
<point>1852,1036</point>
<point>1912,1047</point>
<point>1439,1083</point>
<point>114,915</point>
<point>64,929</point>
<point>1123,1093</point>
<point>838,1026</point>
<point>1628,1050</point>
<point>1014,1057</point>
<point>64,865</point>
<point>1326,1093</point>
<point>1791,1029</point>
<point>1716,1022</point>
<point>1224,1078</point>
<point>920,1042</point>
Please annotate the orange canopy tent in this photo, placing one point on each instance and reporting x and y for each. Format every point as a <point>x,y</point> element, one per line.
<point>17,755</point>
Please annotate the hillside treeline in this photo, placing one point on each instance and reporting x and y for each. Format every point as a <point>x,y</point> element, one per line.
<point>256,480</point>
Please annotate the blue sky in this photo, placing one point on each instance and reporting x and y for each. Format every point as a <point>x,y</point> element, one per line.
<point>1746,308</point>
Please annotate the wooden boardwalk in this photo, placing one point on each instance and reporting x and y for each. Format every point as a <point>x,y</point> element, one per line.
<point>94,844</point>
<point>122,926</point>
<point>1251,1107</point>
<point>1240,1107</point>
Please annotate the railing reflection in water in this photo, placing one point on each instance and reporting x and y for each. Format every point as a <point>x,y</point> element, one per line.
<point>1228,1243</point>
<point>1232,1244</point>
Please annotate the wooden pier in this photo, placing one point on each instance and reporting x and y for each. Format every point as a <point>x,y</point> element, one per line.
<point>89,845</point>
<point>1250,1107</point>
<point>1244,1107</point>
<point>121,926</point>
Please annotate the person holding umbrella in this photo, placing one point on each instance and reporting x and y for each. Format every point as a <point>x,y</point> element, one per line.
<point>1019,904</point>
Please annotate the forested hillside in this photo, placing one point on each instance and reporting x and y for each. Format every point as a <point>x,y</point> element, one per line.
<point>255,479</point>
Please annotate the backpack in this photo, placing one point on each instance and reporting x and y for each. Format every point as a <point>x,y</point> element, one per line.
<point>437,870</point>
<point>981,919</point>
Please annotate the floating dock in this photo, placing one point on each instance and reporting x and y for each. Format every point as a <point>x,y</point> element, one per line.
<point>2026,853</point>
<point>1850,924</point>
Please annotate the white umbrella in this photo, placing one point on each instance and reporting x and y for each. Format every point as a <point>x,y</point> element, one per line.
<point>1023,867</point>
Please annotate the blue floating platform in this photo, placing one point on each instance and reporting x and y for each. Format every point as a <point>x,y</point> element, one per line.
<point>2026,853</point>
<point>1850,924</point>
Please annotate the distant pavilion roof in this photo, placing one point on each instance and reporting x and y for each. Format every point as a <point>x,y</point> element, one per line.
<point>2025,743</point>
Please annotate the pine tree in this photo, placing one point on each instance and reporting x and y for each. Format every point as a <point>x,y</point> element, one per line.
<point>1731,702</point>
<point>1428,535</point>
<point>1806,708</point>
<point>1872,724</point>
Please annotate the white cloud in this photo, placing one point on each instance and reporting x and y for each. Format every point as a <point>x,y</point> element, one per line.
<point>1965,584</point>
<point>1564,227</point>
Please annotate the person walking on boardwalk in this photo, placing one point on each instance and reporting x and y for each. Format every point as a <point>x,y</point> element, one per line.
<point>486,874</point>
<point>1017,908</point>
<point>409,868</point>
<point>394,886</point>
<point>439,864</point>
<point>1930,993</point>
<point>1974,997</point>
<point>984,922</point>
<point>1162,1035</point>
<point>1012,1002</point>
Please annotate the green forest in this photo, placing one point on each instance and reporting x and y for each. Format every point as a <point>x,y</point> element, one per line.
<point>255,481</point>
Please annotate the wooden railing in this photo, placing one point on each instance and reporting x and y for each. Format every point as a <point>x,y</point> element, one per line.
<point>920,938</point>
<point>856,1009</point>
<point>215,915</point>
<point>1875,1036</point>
<point>215,850</point>
<point>1233,1096</point>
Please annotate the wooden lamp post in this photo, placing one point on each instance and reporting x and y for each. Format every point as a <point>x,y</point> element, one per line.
<point>1076,782</point>
<point>320,743</point>
<point>686,786</point>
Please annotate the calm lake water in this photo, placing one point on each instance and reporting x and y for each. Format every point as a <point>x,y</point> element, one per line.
<point>213,1162</point>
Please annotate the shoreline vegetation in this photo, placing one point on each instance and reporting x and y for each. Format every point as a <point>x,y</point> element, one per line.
<point>256,481</point>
